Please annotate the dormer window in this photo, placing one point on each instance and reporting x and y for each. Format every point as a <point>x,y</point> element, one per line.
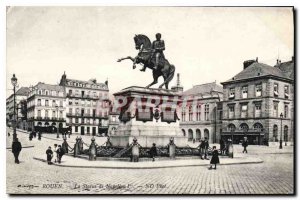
<point>275,89</point>
<point>286,91</point>
<point>231,93</point>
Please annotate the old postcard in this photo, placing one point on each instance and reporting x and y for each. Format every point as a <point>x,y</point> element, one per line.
<point>150,100</point>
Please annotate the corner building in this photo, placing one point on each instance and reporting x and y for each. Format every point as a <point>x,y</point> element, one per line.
<point>258,104</point>
<point>87,106</point>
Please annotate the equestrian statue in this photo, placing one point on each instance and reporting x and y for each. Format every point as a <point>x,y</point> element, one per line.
<point>152,56</point>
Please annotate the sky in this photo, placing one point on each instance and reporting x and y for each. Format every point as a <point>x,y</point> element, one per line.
<point>205,44</point>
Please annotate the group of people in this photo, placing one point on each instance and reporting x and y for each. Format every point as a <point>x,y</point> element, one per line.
<point>33,135</point>
<point>58,150</point>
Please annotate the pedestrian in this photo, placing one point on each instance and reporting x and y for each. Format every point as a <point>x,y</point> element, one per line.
<point>16,149</point>
<point>153,152</point>
<point>60,153</point>
<point>39,135</point>
<point>30,136</point>
<point>206,145</point>
<point>55,150</point>
<point>49,153</point>
<point>202,145</point>
<point>245,144</point>
<point>215,158</point>
<point>34,134</point>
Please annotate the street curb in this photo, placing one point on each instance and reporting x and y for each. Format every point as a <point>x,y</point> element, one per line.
<point>154,167</point>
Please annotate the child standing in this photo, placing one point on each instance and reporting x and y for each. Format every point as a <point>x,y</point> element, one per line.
<point>215,158</point>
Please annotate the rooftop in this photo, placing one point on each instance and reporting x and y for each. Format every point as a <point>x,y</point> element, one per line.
<point>204,89</point>
<point>257,69</point>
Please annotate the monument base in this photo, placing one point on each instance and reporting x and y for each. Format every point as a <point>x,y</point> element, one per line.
<point>155,125</point>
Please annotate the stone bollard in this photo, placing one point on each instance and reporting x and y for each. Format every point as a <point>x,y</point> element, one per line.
<point>135,151</point>
<point>80,146</point>
<point>76,147</point>
<point>65,145</point>
<point>172,148</point>
<point>93,150</point>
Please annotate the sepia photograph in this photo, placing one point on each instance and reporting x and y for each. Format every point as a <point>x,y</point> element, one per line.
<point>127,100</point>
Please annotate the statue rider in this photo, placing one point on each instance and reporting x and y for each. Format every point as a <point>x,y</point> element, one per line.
<point>158,46</point>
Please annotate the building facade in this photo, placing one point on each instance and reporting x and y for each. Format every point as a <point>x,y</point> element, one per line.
<point>46,108</point>
<point>87,106</point>
<point>201,111</point>
<point>21,95</point>
<point>258,104</point>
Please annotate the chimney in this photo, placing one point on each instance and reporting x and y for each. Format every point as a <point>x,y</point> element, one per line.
<point>247,63</point>
<point>178,79</point>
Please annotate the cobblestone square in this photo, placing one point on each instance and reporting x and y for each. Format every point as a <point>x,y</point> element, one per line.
<point>273,176</point>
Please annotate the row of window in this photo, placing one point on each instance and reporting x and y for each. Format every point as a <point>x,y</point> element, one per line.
<point>87,103</point>
<point>86,85</point>
<point>285,133</point>
<point>257,110</point>
<point>258,91</point>
<point>198,113</point>
<point>54,103</point>
<point>54,113</point>
<point>245,128</point>
<point>83,93</point>
<point>82,112</point>
<point>50,93</point>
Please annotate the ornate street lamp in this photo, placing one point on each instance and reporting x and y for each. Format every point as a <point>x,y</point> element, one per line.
<point>280,141</point>
<point>57,120</point>
<point>14,82</point>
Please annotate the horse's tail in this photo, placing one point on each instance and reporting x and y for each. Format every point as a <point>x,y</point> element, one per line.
<point>171,73</point>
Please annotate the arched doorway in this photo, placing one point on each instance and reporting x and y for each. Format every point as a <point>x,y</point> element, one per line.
<point>198,134</point>
<point>190,135</point>
<point>231,127</point>
<point>206,134</point>
<point>244,127</point>
<point>285,133</point>
<point>183,132</point>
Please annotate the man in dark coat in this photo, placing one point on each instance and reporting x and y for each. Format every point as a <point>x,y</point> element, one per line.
<point>49,153</point>
<point>245,144</point>
<point>60,153</point>
<point>206,145</point>
<point>16,149</point>
<point>222,146</point>
<point>202,151</point>
<point>153,152</point>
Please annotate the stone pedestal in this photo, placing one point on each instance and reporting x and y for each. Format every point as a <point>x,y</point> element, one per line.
<point>150,115</point>
<point>172,151</point>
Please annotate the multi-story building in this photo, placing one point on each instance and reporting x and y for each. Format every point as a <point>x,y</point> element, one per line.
<point>21,95</point>
<point>87,105</point>
<point>200,113</point>
<point>46,108</point>
<point>258,104</point>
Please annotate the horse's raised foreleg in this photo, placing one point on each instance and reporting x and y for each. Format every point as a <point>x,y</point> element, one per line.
<point>125,58</point>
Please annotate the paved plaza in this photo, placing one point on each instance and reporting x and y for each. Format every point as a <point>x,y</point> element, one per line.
<point>273,176</point>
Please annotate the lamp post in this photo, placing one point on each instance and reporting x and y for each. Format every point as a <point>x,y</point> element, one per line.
<point>280,141</point>
<point>14,82</point>
<point>57,120</point>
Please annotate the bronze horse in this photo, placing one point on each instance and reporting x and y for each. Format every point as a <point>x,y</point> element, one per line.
<point>145,56</point>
